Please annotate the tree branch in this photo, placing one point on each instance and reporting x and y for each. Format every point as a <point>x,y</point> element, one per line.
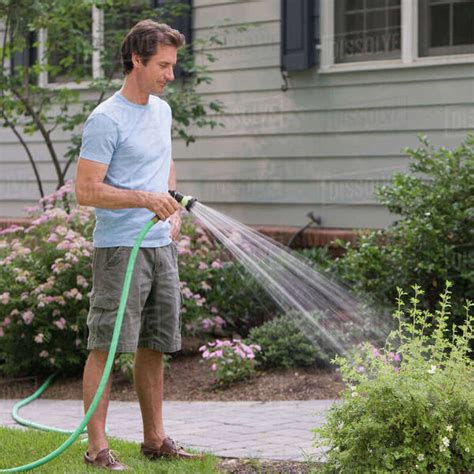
<point>43,132</point>
<point>28,152</point>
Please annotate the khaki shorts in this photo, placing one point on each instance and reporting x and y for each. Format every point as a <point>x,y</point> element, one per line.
<point>152,316</point>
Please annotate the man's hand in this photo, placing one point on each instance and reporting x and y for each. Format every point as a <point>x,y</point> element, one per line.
<point>162,204</point>
<point>175,221</point>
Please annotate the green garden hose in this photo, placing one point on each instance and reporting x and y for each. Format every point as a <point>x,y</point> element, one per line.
<point>26,401</point>
<point>187,202</point>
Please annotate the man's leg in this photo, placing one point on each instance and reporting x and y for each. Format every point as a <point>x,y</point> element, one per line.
<point>93,371</point>
<point>148,378</point>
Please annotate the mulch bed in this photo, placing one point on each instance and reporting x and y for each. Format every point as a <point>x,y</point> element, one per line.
<point>188,379</point>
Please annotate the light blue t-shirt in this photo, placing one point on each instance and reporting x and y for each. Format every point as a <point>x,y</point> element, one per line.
<point>135,142</point>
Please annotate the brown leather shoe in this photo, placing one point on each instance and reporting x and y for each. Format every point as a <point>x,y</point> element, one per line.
<point>105,459</point>
<point>169,449</point>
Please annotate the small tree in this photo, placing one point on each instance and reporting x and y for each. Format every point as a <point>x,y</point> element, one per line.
<point>52,39</point>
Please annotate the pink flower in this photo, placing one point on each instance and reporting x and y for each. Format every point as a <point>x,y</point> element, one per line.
<point>52,238</point>
<point>6,322</point>
<point>205,286</point>
<point>5,298</point>
<point>214,310</point>
<point>81,281</point>
<point>187,293</point>
<point>361,369</point>
<point>60,323</point>
<point>28,316</point>
<point>44,354</point>
<point>203,266</point>
<point>375,353</point>
<point>219,321</point>
<point>218,353</point>
<point>214,367</point>
<point>202,348</point>
<point>217,264</point>
<point>39,338</point>
<point>206,324</point>
<point>240,352</point>
<point>24,296</point>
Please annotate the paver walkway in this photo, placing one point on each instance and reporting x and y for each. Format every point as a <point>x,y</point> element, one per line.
<point>266,430</point>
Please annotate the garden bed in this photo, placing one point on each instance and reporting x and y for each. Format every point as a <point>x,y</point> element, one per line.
<point>189,380</point>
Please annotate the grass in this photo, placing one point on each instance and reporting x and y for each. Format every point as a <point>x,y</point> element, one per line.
<point>18,447</point>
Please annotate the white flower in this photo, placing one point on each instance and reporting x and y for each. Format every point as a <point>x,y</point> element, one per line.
<point>467,450</point>
<point>445,441</point>
<point>432,370</point>
<point>449,428</point>
<point>354,394</point>
<point>421,457</point>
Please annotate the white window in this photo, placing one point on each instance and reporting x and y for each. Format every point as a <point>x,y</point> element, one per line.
<point>88,63</point>
<point>381,34</point>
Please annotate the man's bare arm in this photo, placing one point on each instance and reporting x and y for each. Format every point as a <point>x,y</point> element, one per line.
<point>172,177</point>
<point>92,191</point>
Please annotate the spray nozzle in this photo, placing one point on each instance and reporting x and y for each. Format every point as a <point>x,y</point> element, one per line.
<point>186,201</point>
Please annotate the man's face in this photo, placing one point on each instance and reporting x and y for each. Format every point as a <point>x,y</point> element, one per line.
<point>158,71</point>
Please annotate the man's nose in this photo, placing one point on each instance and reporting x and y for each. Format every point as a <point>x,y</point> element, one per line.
<point>170,75</point>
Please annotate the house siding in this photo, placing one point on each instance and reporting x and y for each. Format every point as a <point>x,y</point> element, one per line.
<point>324,145</point>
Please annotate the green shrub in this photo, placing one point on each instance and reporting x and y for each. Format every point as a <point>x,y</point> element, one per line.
<point>409,406</point>
<point>284,345</point>
<point>433,238</point>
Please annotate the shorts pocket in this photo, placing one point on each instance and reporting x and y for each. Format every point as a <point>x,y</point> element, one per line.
<point>114,256</point>
<point>104,301</point>
<point>102,313</point>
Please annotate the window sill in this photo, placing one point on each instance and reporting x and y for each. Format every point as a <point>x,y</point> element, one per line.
<point>398,64</point>
<point>84,85</point>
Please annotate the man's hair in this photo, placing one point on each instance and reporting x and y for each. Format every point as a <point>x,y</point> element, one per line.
<point>143,40</point>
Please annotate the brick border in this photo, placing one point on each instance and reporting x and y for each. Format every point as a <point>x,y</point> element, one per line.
<point>312,237</point>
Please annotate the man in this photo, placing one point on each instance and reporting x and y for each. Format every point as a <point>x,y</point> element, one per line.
<point>125,171</point>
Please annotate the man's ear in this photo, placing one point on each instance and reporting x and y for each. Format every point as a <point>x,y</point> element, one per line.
<point>135,59</point>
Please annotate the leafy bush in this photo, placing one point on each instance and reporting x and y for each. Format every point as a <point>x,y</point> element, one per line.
<point>410,405</point>
<point>284,345</point>
<point>433,238</point>
<point>230,360</point>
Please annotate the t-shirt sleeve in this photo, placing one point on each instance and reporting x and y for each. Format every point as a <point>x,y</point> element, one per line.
<point>99,138</point>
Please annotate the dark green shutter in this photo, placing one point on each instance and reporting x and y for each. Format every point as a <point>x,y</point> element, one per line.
<point>183,24</point>
<point>299,34</point>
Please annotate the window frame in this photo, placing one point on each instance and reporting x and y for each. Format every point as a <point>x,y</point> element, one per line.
<point>424,49</point>
<point>410,45</point>
<point>364,57</point>
<point>97,47</point>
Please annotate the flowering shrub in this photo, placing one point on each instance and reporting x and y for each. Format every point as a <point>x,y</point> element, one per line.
<point>45,268</point>
<point>409,409</point>
<point>230,360</point>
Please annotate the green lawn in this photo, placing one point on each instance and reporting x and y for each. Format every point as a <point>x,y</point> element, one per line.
<point>19,447</point>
